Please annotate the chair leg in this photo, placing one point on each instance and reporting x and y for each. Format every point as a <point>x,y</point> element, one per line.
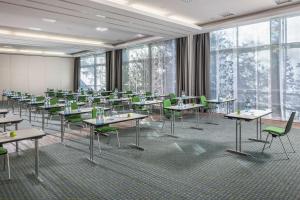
<point>265,143</point>
<point>8,166</point>
<point>271,142</point>
<point>283,148</point>
<point>4,164</point>
<point>291,144</point>
<point>98,138</point>
<point>119,145</point>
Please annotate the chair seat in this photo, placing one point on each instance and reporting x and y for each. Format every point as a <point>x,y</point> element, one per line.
<point>3,151</point>
<point>274,130</point>
<point>106,129</point>
<point>75,120</point>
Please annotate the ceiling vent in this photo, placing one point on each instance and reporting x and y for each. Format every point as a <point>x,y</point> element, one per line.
<point>279,2</point>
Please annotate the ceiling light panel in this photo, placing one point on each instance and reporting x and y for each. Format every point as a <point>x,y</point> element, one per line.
<point>182,19</point>
<point>49,20</point>
<point>149,9</point>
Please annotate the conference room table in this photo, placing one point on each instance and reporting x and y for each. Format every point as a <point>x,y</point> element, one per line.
<point>63,114</point>
<point>247,116</point>
<point>4,112</point>
<point>184,107</point>
<point>26,134</point>
<point>48,107</point>
<point>151,103</point>
<point>94,123</point>
<point>228,103</point>
<point>11,120</point>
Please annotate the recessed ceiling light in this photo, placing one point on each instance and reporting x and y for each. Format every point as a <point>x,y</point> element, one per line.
<point>114,1</point>
<point>182,19</point>
<point>139,35</point>
<point>149,9</point>
<point>7,46</point>
<point>51,37</point>
<point>49,20</point>
<point>35,28</point>
<point>101,29</point>
<point>101,16</point>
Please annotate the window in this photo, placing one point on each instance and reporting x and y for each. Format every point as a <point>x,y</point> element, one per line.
<point>93,72</point>
<point>150,68</point>
<point>259,62</point>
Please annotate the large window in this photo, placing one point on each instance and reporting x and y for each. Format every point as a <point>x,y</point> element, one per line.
<point>93,72</point>
<point>150,68</point>
<point>259,62</point>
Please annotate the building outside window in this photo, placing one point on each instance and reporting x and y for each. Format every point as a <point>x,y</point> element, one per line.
<point>93,72</point>
<point>259,62</point>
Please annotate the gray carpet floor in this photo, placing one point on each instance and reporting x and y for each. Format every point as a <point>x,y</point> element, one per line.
<point>193,166</point>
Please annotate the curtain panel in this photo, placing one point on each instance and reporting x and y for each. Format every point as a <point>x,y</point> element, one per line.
<point>182,66</point>
<point>201,55</point>
<point>118,69</point>
<point>109,71</point>
<point>76,80</point>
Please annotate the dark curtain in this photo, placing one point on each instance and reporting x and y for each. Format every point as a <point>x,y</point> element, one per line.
<point>201,45</point>
<point>76,83</point>
<point>118,70</point>
<point>182,68</point>
<point>109,71</point>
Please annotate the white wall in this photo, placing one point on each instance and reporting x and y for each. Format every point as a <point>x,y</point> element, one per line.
<point>34,74</point>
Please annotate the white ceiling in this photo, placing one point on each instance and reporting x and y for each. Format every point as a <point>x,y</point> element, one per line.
<point>77,18</point>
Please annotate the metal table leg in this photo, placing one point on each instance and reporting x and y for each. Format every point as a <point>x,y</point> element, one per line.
<point>258,132</point>
<point>37,160</point>
<point>43,119</point>
<point>238,140</point>
<point>62,127</point>
<point>17,143</point>
<point>198,120</point>
<point>20,107</point>
<point>29,113</point>
<point>92,129</point>
<point>137,137</point>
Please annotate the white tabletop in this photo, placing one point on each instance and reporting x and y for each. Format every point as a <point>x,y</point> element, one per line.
<point>187,97</point>
<point>120,99</point>
<point>10,119</point>
<point>184,107</point>
<point>249,115</point>
<point>115,119</point>
<point>80,111</point>
<point>3,111</point>
<point>218,101</point>
<point>147,103</point>
<point>24,134</point>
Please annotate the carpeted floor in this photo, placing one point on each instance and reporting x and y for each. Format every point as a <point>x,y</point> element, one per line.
<point>193,166</point>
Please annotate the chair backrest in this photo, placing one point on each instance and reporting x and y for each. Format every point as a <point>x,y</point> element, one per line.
<point>167,103</point>
<point>40,98</point>
<point>82,98</point>
<point>111,96</point>
<point>172,95</point>
<point>53,101</point>
<point>203,101</point>
<point>74,106</point>
<point>290,123</point>
<point>129,92</point>
<point>70,97</point>
<point>148,94</point>
<point>135,99</point>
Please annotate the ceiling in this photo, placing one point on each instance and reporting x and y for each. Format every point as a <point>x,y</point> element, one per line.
<point>80,18</point>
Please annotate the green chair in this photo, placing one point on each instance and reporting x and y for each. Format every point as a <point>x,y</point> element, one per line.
<point>104,130</point>
<point>138,108</point>
<point>40,98</point>
<point>53,111</point>
<point>74,119</point>
<point>173,99</point>
<point>70,97</point>
<point>96,101</point>
<point>60,95</point>
<point>82,99</point>
<point>279,132</point>
<point>116,104</point>
<point>51,94</point>
<point>168,113</point>
<point>148,95</point>
<point>4,153</point>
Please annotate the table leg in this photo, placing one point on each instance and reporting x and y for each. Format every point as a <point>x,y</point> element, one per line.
<point>258,132</point>
<point>29,113</point>
<point>62,127</point>
<point>37,160</point>
<point>238,140</point>
<point>92,128</point>
<point>43,119</point>
<point>198,120</point>
<point>20,107</point>
<point>17,143</point>
<point>137,137</point>
<point>161,112</point>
